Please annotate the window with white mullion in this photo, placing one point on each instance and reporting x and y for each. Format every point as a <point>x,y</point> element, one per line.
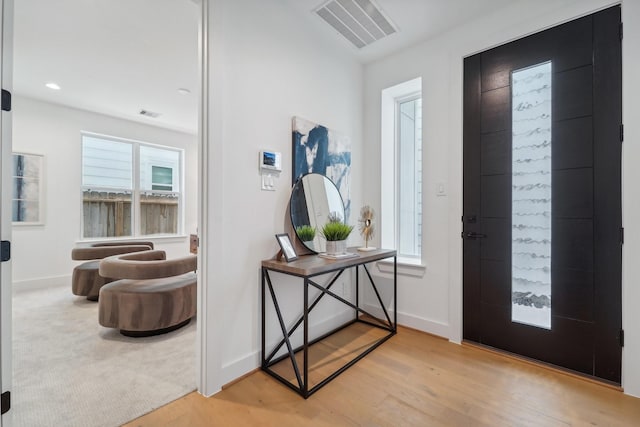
<point>401,170</point>
<point>409,171</point>
<point>119,195</point>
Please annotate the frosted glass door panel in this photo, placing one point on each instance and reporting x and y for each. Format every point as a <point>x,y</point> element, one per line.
<point>531,196</point>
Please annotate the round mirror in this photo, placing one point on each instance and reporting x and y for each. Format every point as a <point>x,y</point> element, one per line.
<point>313,198</point>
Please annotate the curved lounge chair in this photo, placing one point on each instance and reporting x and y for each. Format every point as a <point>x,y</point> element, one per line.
<point>153,296</point>
<point>85,280</point>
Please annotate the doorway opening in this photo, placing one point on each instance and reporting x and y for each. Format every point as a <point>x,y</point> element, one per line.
<point>110,64</point>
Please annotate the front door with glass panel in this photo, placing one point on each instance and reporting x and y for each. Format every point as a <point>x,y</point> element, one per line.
<point>542,196</point>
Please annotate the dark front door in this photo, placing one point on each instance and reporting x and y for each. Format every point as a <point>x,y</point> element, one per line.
<point>542,196</point>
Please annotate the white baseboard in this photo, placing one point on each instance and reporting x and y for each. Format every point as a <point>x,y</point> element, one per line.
<point>41,283</point>
<point>411,321</point>
<point>239,367</point>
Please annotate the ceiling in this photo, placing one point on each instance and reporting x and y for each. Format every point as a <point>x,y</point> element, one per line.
<point>118,57</point>
<point>114,57</point>
<point>415,20</point>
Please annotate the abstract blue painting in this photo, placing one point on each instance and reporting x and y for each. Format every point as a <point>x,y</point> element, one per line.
<point>317,149</point>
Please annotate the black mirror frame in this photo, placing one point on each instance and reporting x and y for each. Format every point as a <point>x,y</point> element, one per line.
<point>293,224</point>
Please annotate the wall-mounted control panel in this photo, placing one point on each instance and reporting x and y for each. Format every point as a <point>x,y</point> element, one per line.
<point>270,168</point>
<point>270,160</point>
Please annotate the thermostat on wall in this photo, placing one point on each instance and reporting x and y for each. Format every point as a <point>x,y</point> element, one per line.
<point>270,160</point>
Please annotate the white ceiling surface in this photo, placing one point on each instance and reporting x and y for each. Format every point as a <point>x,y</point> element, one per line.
<point>114,57</point>
<point>117,57</point>
<point>415,20</point>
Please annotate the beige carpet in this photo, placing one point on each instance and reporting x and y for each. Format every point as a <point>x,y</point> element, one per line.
<point>70,371</point>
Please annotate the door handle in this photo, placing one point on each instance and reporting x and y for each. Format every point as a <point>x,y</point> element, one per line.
<point>472,235</point>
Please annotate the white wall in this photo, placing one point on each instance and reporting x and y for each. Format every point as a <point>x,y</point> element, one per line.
<point>43,252</point>
<point>266,67</point>
<point>433,303</point>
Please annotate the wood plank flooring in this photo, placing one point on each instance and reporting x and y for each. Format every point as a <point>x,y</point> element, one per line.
<point>413,379</point>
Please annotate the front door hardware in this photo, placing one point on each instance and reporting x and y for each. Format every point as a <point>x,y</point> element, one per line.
<point>620,31</point>
<point>6,100</point>
<point>5,402</point>
<point>5,250</point>
<point>472,235</point>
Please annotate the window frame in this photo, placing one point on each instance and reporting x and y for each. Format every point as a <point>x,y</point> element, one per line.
<point>159,184</point>
<point>389,166</point>
<point>397,166</point>
<point>136,191</point>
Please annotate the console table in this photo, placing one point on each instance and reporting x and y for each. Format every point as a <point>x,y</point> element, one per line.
<point>307,267</point>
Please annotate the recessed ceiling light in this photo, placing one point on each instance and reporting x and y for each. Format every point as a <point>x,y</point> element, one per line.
<point>183,91</point>
<point>148,113</point>
<point>53,86</point>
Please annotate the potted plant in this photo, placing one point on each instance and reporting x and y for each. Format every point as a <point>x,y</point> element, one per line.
<point>306,234</point>
<point>336,233</point>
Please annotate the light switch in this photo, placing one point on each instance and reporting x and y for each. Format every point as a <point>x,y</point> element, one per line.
<point>441,189</point>
<point>268,183</point>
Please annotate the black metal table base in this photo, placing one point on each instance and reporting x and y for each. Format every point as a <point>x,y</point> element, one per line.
<point>302,375</point>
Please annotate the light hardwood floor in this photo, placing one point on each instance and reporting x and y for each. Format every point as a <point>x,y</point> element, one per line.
<point>413,379</point>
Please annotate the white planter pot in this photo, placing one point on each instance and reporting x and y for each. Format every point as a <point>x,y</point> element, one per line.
<point>336,247</point>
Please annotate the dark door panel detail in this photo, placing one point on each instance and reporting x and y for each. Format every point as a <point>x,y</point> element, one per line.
<point>495,110</point>
<point>573,193</point>
<point>572,143</point>
<point>573,93</point>
<point>495,156</point>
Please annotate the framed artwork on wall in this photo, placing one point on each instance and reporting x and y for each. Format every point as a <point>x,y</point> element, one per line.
<point>27,189</point>
<point>317,149</point>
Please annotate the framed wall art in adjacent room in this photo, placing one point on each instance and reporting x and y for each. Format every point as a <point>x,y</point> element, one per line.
<point>27,189</point>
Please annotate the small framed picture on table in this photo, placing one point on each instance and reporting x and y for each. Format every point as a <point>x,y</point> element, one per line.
<point>287,247</point>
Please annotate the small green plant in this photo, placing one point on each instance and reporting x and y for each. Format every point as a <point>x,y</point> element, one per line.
<point>306,233</point>
<point>335,229</point>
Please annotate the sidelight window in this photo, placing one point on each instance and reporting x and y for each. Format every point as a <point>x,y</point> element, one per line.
<point>401,170</point>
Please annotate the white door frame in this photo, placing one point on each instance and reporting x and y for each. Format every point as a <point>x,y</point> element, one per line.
<point>6,81</point>
<point>203,156</point>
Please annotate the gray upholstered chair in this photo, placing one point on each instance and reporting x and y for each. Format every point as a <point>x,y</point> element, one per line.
<point>153,296</point>
<point>86,281</point>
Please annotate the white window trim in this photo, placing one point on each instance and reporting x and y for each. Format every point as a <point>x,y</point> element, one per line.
<point>390,99</point>
<point>407,259</point>
<point>135,191</point>
<point>406,267</point>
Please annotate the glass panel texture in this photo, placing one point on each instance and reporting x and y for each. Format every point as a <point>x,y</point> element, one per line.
<point>531,196</point>
<point>410,178</point>
<point>153,159</point>
<point>106,163</point>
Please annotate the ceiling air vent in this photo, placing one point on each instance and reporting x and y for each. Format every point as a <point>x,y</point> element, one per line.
<point>148,113</point>
<point>360,21</point>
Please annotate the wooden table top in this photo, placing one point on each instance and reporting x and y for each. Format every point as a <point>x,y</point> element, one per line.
<point>311,265</point>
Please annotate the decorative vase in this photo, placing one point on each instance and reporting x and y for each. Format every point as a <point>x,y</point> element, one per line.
<point>336,247</point>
